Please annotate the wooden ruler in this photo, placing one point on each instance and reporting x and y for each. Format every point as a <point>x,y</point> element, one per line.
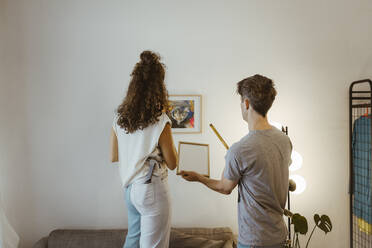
<point>219,136</point>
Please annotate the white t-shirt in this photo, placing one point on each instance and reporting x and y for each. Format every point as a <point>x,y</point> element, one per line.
<point>135,148</point>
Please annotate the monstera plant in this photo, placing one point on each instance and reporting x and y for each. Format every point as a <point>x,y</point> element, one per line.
<point>300,225</point>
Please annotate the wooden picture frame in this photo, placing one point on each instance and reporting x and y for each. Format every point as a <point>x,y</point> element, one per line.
<point>193,157</point>
<point>185,112</point>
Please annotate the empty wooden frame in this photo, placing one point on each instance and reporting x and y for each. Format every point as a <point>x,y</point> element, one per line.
<point>193,157</point>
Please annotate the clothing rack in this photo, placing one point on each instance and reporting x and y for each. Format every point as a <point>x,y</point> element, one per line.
<point>360,132</point>
<point>285,130</point>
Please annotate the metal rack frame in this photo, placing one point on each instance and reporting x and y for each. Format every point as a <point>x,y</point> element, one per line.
<point>355,105</point>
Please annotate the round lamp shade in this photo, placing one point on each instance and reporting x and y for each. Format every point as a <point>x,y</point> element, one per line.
<point>276,124</point>
<point>297,161</point>
<point>300,184</point>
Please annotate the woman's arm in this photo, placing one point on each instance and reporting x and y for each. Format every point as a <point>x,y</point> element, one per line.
<point>167,147</point>
<point>114,147</point>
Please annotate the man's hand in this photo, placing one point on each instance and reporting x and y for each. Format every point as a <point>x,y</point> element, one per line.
<point>190,176</point>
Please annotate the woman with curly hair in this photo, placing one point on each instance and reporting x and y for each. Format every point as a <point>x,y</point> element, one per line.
<point>141,140</point>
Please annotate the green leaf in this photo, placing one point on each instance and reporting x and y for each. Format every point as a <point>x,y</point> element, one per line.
<point>316,219</point>
<point>324,223</point>
<point>300,224</point>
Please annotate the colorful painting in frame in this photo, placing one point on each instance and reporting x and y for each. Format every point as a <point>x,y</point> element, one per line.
<point>185,113</point>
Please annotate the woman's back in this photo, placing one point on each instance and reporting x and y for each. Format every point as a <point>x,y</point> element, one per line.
<point>135,148</point>
<point>141,140</point>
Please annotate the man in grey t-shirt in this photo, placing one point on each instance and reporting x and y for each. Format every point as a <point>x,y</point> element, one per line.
<point>258,164</point>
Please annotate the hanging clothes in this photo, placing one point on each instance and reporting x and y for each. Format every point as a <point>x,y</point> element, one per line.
<point>8,237</point>
<point>361,148</point>
<point>364,226</point>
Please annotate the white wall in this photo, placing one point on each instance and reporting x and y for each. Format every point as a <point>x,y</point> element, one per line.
<point>74,59</point>
<point>15,187</point>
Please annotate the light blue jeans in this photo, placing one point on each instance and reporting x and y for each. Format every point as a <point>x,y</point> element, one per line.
<point>149,212</point>
<point>134,222</point>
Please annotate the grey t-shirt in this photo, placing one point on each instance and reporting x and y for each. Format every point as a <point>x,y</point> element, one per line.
<point>260,161</point>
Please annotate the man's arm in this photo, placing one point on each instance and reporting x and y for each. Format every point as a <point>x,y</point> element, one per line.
<point>223,186</point>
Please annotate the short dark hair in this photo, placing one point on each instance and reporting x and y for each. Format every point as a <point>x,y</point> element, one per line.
<point>260,92</point>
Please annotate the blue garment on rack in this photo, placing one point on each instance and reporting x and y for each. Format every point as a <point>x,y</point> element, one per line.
<point>361,145</point>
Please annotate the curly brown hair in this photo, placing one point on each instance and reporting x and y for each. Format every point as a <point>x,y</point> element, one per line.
<point>260,92</point>
<point>147,97</point>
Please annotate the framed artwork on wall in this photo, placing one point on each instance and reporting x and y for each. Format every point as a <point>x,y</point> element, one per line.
<point>193,157</point>
<point>185,112</point>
